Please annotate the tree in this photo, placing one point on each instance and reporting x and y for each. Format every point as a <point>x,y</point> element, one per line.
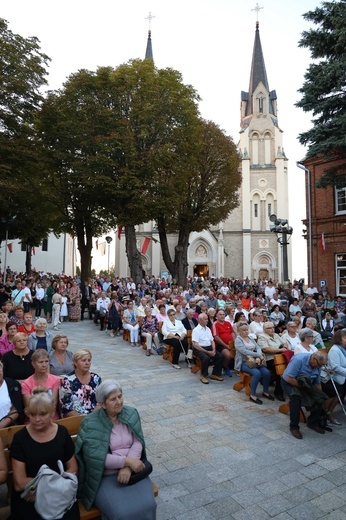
<point>205,197</point>
<point>23,73</point>
<point>324,89</point>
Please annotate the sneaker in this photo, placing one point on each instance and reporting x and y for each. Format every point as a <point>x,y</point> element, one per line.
<point>56,328</point>
<point>228,372</point>
<point>176,367</point>
<point>216,378</point>
<point>204,380</point>
<point>334,421</point>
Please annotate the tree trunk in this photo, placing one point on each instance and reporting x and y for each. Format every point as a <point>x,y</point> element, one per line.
<point>28,253</point>
<point>178,267</point>
<point>133,255</point>
<point>84,244</point>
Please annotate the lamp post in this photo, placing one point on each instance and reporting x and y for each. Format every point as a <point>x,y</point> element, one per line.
<point>302,167</point>
<point>109,240</point>
<point>280,227</point>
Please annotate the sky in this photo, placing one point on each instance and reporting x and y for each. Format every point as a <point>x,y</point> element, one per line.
<point>209,41</point>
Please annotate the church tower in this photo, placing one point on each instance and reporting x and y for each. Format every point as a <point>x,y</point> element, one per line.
<point>264,188</point>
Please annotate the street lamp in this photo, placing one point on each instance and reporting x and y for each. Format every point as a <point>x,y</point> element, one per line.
<point>280,227</point>
<point>109,240</point>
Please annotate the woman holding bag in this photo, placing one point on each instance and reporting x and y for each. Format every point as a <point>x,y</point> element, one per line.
<point>40,442</point>
<point>248,347</point>
<point>109,448</point>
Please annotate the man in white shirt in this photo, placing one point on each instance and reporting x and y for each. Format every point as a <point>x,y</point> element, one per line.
<point>102,305</point>
<point>205,350</point>
<point>269,290</point>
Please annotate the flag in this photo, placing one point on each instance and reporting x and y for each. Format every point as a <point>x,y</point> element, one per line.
<point>145,245</point>
<point>97,244</point>
<point>322,244</point>
<point>120,228</point>
<point>102,248</point>
<point>33,251</point>
<point>9,247</point>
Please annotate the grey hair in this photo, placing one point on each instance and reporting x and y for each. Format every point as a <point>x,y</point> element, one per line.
<point>290,323</point>
<point>267,324</point>
<point>107,387</point>
<point>312,321</point>
<point>41,321</point>
<point>304,333</point>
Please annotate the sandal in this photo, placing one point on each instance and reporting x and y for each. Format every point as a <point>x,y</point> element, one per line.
<point>147,353</point>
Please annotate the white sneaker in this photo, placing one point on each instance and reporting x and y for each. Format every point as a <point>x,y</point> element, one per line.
<point>176,366</point>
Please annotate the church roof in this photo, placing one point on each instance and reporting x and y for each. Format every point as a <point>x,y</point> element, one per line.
<point>149,49</point>
<point>258,75</point>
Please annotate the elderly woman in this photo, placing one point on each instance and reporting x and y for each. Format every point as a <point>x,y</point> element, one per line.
<point>246,346</point>
<point>11,405</point>
<point>109,448</point>
<point>174,334</point>
<point>291,337</point>
<point>75,302</point>
<point>130,322</point>
<point>41,377</point>
<point>42,338</point>
<point>276,315</point>
<point>6,341</point>
<point>306,337</point>
<point>41,442</point>
<point>60,359</point>
<point>162,314</point>
<point>150,330</point>
<point>77,392</point>
<point>294,308</point>
<point>337,372</point>
<point>27,327</point>
<point>17,363</point>
<point>271,344</point>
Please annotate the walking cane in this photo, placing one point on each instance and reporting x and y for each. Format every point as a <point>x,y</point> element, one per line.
<point>187,359</point>
<point>336,391</point>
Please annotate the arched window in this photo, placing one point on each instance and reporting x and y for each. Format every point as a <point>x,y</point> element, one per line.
<point>255,148</point>
<point>268,148</point>
<point>256,212</point>
<point>269,209</point>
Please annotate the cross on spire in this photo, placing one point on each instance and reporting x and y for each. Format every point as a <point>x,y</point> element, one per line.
<point>257,8</point>
<point>149,17</point>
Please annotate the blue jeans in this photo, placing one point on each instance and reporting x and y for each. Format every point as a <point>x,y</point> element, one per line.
<point>257,373</point>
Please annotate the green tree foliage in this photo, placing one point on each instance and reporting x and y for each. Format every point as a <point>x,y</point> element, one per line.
<point>324,88</point>
<point>211,178</point>
<point>23,70</point>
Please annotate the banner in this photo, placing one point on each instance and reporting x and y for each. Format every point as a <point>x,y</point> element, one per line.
<point>322,244</point>
<point>120,228</point>
<point>9,247</point>
<point>145,245</point>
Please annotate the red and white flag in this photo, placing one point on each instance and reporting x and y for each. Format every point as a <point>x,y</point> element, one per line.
<point>120,228</point>
<point>322,244</point>
<point>145,245</point>
<point>9,247</point>
<point>33,251</point>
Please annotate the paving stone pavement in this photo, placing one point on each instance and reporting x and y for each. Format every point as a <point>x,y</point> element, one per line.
<point>217,456</point>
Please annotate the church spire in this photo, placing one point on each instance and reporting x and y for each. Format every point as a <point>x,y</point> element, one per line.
<point>149,49</point>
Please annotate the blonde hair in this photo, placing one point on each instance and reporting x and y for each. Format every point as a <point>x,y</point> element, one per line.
<point>40,402</point>
<point>81,353</point>
<point>19,335</point>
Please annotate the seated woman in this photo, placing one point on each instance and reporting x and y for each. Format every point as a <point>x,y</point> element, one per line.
<point>17,363</point>
<point>41,377</point>
<point>130,322</point>
<point>42,338</point>
<point>276,315</point>
<point>3,321</point>
<point>11,405</point>
<point>114,315</point>
<point>290,336</point>
<point>40,442</point>
<point>306,342</point>
<point>61,359</point>
<point>327,326</point>
<point>6,341</point>
<point>77,392</point>
<point>248,347</point>
<point>337,372</point>
<point>109,447</point>
<point>174,334</point>
<point>27,327</point>
<point>162,316</point>
<point>150,330</point>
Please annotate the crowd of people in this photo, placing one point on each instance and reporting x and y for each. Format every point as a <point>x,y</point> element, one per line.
<point>229,325</point>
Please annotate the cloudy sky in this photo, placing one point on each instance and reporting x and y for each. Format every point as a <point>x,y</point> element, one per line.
<point>209,41</point>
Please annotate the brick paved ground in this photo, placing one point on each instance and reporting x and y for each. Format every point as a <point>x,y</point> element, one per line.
<point>215,454</point>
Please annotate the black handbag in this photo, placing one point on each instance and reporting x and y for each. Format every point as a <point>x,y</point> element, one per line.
<point>137,477</point>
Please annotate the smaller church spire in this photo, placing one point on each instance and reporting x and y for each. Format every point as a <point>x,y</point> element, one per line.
<point>149,49</point>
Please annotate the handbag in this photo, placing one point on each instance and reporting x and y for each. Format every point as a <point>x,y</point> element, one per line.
<point>55,493</point>
<point>137,477</point>
<point>251,363</point>
<point>103,312</point>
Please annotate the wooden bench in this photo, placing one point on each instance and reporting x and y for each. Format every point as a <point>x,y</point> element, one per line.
<point>280,363</point>
<point>198,366</point>
<point>245,381</point>
<point>72,425</point>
